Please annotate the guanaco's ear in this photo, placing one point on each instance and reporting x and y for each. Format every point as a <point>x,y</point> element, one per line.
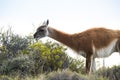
<point>46,23</point>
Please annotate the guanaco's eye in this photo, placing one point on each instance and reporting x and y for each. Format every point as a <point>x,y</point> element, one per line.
<point>41,30</point>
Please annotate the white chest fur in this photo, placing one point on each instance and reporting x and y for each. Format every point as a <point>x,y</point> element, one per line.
<point>106,51</point>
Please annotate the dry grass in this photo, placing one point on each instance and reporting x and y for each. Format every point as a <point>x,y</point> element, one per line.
<point>102,74</point>
<point>69,75</point>
<point>65,75</point>
<point>56,75</point>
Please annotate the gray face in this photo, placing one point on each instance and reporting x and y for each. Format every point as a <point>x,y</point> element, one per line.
<point>42,31</point>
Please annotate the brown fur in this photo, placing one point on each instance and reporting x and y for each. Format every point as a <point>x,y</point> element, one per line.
<point>99,37</point>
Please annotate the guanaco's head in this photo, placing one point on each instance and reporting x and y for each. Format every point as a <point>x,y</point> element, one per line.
<point>42,30</point>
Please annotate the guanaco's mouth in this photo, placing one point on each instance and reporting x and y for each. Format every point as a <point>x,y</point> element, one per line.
<point>37,37</point>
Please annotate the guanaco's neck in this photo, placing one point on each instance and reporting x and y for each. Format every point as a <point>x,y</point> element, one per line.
<point>61,37</point>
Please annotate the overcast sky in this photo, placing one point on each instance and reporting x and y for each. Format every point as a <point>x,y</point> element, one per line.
<point>70,16</point>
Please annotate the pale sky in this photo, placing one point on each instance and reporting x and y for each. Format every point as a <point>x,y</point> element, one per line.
<point>70,16</point>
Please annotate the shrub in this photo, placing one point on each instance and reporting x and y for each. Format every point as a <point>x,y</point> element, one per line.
<point>50,56</point>
<point>39,58</point>
<point>12,43</point>
<point>76,65</point>
<point>111,73</point>
<point>22,65</point>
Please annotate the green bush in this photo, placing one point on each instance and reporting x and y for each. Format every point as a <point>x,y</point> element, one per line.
<point>50,56</point>
<point>22,65</point>
<point>12,43</point>
<point>39,58</point>
<point>76,65</point>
